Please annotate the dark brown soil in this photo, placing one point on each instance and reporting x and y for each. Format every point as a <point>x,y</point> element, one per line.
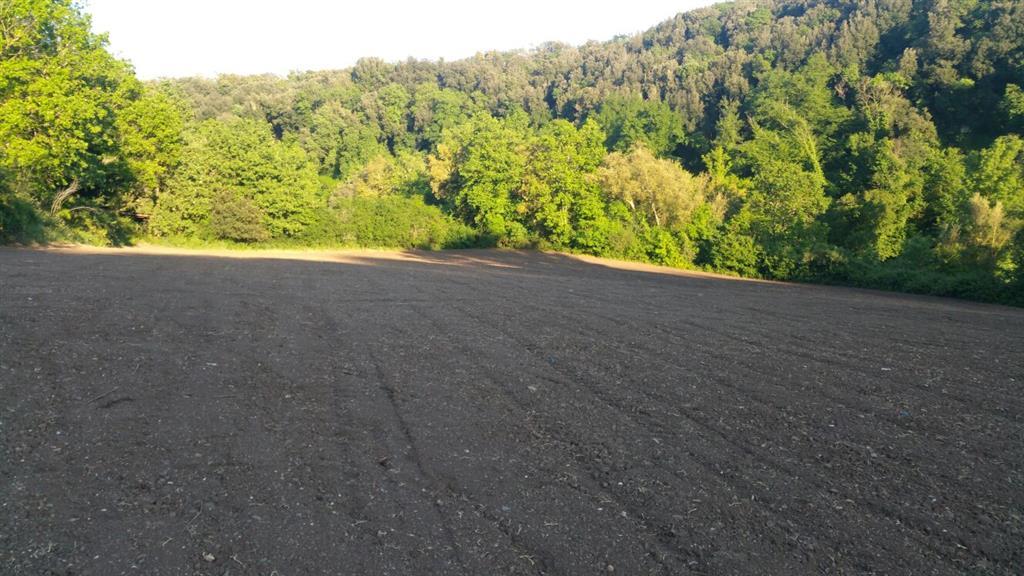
<point>494,413</point>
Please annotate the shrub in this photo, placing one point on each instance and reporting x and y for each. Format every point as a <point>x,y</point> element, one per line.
<point>19,221</point>
<point>235,217</point>
<point>398,222</point>
<point>736,253</point>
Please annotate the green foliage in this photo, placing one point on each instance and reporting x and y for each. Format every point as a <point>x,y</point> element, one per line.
<point>83,140</point>
<point>1013,105</point>
<point>787,190</point>
<point>658,191</point>
<point>435,110</point>
<point>390,107</point>
<point>560,203</point>
<point>90,224</point>
<point>20,222</point>
<point>663,247</point>
<point>999,172</point>
<point>397,222</point>
<point>945,191</point>
<point>384,175</point>
<point>919,270</point>
<point>60,93</point>
<point>892,201</point>
<point>340,140</point>
<point>734,250</point>
<point>240,158</point>
<point>151,130</point>
<point>234,216</point>
<point>804,97</point>
<point>489,165</point>
<point>628,121</point>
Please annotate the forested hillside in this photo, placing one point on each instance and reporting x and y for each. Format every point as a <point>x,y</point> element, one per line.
<point>875,143</point>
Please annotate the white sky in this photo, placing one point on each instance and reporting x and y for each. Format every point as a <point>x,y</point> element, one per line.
<point>207,37</point>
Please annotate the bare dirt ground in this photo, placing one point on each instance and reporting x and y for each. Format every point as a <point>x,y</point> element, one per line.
<point>495,413</point>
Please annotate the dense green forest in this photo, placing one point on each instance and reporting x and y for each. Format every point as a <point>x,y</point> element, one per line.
<point>875,143</point>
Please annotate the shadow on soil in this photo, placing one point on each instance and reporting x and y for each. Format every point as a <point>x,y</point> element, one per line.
<point>522,263</point>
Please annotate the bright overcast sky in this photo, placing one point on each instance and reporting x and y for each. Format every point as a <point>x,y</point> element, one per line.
<point>207,37</point>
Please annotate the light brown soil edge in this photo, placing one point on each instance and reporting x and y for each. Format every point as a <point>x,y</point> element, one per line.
<point>357,255</point>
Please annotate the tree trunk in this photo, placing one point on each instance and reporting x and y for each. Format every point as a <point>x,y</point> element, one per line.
<point>63,195</point>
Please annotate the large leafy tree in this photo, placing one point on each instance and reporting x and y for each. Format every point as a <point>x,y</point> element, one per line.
<point>150,129</point>
<point>999,172</point>
<point>559,200</point>
<point>386,175</point>
<point>340,140</point>
<point>80,137</point>
<point>787,189</point>
<point>631,120</point>
<point>435,109</point>
<point>660,192</point>
<point>240,163</point>
<point>478,172</point>
<point>60,94</point>
<point>389,106</point>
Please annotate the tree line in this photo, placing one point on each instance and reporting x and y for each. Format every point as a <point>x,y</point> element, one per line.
<point>873,143</point>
